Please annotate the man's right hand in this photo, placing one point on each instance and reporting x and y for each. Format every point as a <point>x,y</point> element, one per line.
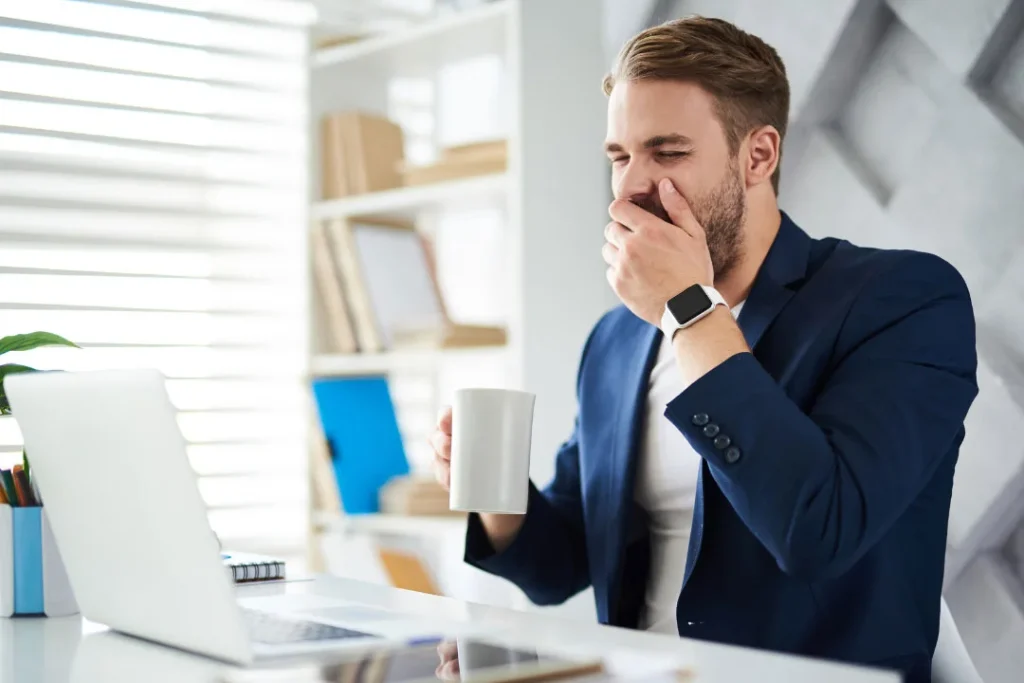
<point>501,529</point>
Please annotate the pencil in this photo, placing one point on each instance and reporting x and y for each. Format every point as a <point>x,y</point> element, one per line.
<point>21,487</point>
<point>3,497</point>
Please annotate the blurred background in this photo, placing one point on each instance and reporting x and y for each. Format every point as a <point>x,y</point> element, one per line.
<point>318,219</point>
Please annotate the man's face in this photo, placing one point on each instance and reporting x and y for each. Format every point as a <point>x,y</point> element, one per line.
<point>659,129</point>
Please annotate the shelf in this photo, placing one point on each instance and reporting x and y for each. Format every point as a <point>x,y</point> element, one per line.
<point>356,364</point>
<point>392,525</point>
<point>423,48</point>
<point>407,202</point>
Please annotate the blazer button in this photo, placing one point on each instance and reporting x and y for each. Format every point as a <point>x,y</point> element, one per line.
<point>701,419</point>
<point>722,442</point>
<point>711,431</point>
<point>732,455</point>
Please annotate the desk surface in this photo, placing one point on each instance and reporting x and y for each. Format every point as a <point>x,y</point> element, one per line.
<point>37,650</point>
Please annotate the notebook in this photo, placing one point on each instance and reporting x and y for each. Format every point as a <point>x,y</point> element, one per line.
<point>247,567</point>
<point>362,433</point>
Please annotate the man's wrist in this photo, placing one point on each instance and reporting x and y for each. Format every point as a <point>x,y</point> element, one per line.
<point>707,343</point>
<point>691,305</point>
<point>501,529</point>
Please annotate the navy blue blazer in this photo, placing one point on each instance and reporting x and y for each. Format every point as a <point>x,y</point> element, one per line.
<point>821,528</point>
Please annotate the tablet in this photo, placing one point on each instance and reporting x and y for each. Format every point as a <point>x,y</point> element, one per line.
<point>463,659</point>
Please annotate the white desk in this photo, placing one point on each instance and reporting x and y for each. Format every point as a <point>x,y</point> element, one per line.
<point>70,649</point>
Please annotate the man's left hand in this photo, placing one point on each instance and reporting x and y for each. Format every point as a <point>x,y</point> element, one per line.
<point>649,260</point>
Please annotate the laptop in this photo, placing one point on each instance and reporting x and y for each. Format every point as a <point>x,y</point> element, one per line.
<point>132,528</point>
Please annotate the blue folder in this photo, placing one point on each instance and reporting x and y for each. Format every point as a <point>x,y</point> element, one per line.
<point>359,422</point>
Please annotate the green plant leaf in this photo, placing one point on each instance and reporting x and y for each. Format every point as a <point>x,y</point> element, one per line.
<point>9,369</point>
<point>32,340</point>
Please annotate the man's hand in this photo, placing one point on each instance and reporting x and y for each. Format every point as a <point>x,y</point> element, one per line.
<point>448,653</point>
<point>440,441</point>
<point>649,260</point>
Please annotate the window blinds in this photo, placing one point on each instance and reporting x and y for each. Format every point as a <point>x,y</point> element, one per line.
<point>153,202</point>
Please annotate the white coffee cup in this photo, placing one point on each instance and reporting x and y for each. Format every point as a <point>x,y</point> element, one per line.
<point>490,465</point>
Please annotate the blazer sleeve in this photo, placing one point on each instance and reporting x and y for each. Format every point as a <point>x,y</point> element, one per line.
<point>548,557</point>
<point>819,488</point>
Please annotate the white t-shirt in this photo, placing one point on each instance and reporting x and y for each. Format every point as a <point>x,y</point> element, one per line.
<point>666,483</point>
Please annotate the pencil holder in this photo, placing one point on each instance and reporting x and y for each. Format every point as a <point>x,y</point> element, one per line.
<point>32,576</point>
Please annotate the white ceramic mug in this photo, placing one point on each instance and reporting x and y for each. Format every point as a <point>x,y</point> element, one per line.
<point>490,465</point>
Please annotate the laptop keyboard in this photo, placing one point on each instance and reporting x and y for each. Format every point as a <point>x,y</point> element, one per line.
<point>271,629</point>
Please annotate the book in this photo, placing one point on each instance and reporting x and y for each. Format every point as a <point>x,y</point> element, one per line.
<point>462,161</point>
<point>484,150</point>
<point>407,571</point>
<point>398,278</point>
<point>247,567</point>
<point>329,286</point>
<point>415,495</point>
<point>361,429</point>
<point>392,292</point>
<point>451,336</point>
<point>342,246</point>
<point>450,170</point>
<point>333,179</point>
<point>360,153</point>
<point>325,488</point>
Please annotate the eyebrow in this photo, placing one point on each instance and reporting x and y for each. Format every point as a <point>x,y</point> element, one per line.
<point>654,142</point>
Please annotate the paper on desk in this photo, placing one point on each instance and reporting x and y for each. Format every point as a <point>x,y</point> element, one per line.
<point>633,665</point>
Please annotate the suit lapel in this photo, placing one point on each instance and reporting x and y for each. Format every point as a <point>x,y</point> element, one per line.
<point>639,354</point>
<point>785,264</point>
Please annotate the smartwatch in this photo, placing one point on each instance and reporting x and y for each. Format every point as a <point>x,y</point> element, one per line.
<point>688,307</point>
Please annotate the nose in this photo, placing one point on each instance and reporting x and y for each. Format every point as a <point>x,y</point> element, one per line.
<point>635,180</point>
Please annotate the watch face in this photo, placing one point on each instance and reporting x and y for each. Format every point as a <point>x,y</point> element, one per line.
<point>688,304</point>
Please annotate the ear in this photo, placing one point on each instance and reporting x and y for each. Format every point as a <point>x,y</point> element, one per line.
<point>764,149</point>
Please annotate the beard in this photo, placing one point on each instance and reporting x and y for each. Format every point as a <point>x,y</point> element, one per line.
<point>721,212</point>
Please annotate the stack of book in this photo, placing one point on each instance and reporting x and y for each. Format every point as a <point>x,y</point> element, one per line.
<point>359,153</point>
<point>378,290</point>
<point>414,495</point>
<point>362,153</point>
<point>478,158</point>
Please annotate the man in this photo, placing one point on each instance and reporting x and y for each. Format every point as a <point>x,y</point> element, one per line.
<point>814,437</point>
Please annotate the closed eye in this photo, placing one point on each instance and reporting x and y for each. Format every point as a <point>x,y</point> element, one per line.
<point>672,155</point>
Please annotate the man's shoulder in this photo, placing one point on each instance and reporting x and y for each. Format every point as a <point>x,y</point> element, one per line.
<point>872,270</point>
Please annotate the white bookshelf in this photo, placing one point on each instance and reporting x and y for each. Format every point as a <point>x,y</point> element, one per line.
<point>552,202</point>
<point>423,48</point>
<point>392,362</point>
<point>410,202</point>
<point>392,525</point>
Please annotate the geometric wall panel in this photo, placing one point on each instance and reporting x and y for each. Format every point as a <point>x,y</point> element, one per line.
<point>827,196</point>
<point>893,110</point>
<point>907,131</point>
<point>957,31</point>
<point>817,23</point>
<point>1007,84</point>
<point>988,609</point>
<point>986,499</point>
<point>998,75</point>
<point>1000,311</point>
<point>966,198</point>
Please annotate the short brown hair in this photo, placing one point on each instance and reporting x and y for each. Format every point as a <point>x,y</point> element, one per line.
<point>744,74</point>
